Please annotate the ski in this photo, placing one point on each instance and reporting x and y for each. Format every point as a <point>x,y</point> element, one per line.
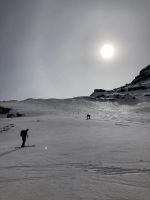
<point>24,146</point>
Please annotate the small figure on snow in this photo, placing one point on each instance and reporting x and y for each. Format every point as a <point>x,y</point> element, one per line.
<point>24,135</point>
<point>88,116</point>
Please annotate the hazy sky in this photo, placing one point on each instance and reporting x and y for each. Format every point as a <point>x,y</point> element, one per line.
<point>49,48</point>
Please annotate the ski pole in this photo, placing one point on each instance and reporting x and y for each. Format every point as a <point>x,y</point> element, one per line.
<point>28,140</point>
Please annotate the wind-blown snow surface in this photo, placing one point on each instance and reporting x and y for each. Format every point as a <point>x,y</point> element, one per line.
<point>106,158</point>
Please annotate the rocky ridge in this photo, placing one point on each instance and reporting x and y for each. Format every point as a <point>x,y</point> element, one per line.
<point>137,90</point>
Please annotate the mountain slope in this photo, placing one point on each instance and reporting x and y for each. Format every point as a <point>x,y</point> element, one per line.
<point>136,91</point>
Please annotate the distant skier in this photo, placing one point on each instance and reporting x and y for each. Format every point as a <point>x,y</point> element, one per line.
<point>88,116</point>
<point>24,135</point>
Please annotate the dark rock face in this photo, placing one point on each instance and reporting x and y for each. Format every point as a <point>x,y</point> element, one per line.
<point>135,89</point>
<point>10,113</point>
<point>15,114</point>
<point>99,90</point>
<point>146,69</point>
<point>4,110</point>
<point>143,76</point>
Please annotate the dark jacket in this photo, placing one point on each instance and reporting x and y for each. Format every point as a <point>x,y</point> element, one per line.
<point>24,133</point>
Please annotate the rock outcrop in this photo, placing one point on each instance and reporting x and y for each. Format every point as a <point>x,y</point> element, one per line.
<point>4,110</point>
<point>143,76</point>
<point>138,88</point>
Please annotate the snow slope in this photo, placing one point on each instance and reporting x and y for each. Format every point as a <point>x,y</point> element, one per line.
<point>79,107</point>
<point>106,158</point>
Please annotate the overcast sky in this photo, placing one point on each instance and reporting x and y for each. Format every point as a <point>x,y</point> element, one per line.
<point>49,48</point>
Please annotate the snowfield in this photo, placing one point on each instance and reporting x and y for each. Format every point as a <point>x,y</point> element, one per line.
<point>105,158</point>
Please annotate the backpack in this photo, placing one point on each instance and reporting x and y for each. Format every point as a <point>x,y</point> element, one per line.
<point>22,133</point>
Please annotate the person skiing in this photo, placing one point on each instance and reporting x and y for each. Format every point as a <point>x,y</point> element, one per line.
<point>88,116</point>
<point>24,135</point>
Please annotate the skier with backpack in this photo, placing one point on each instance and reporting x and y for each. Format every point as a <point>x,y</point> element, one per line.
<point>24,135</point>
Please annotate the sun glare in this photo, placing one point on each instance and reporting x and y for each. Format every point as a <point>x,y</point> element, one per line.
<point>107,51</point>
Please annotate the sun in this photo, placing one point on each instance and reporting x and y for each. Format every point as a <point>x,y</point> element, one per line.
<point>107,51</point>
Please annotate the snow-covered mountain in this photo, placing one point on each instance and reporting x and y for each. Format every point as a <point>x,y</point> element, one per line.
<point>136,91</point>
<point>105,105</point>
<point>69,157</point>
